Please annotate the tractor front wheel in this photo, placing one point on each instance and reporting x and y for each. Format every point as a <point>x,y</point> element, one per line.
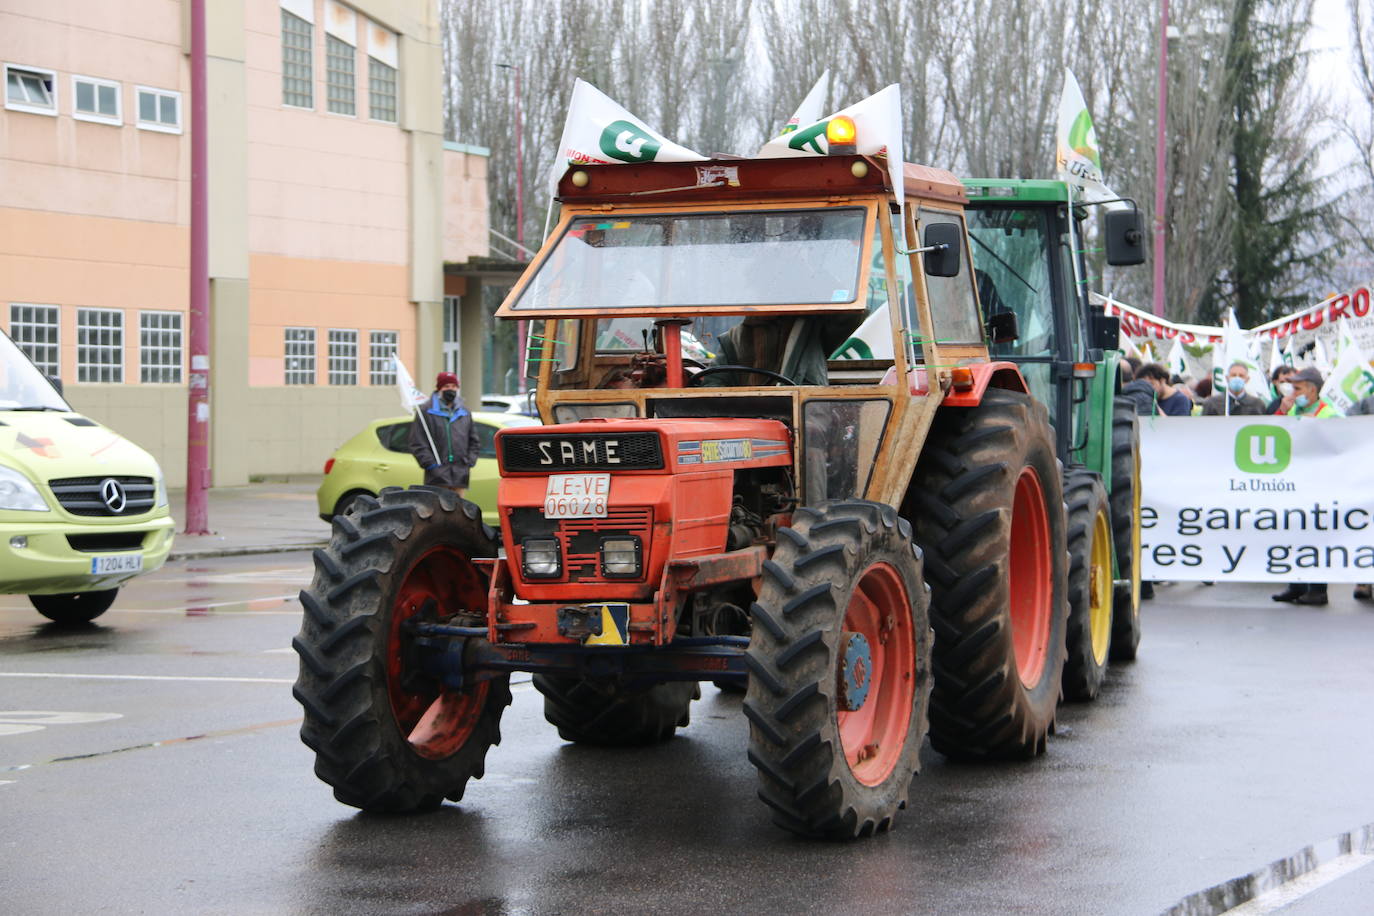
<point>387,735</point>
<point>1090,584</point>
<point>839,670</point>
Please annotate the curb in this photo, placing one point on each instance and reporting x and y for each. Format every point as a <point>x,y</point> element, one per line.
<point>242,551</point>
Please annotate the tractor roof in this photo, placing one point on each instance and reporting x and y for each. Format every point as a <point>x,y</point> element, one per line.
<point>1012,190</point>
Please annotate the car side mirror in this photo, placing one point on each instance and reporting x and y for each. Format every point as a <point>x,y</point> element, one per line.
<point>1104,333</point>
<point>1003,327</point>
<point>1125,237</point>
<point>942,244</point>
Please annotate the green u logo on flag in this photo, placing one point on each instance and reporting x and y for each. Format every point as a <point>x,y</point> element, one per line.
<point>628,142</point>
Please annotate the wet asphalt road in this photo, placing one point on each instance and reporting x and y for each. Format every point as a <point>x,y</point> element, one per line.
<point>1241,735</point>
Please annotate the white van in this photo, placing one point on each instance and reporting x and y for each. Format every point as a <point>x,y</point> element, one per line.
<point>82,509</point>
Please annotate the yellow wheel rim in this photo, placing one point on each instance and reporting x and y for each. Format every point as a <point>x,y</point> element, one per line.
<point>1100,586</point>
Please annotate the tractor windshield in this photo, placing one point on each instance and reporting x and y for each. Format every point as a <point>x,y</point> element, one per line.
<point>694,261</point>
<point>1011,254</point>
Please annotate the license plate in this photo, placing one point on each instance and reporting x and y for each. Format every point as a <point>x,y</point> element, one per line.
<point>125,562</point>
<point>577,495</point>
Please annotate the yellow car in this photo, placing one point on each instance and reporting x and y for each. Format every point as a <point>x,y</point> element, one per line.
<point>379,456</point>
<point>82,509</point>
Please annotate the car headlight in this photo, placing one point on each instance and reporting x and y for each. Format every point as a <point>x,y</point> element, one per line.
<point>161,490</point>
<point>541,558</point>
<point>620,556</point>
<point>18,492</point>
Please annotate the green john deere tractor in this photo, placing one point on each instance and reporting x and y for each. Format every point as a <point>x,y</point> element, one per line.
<point>1027,240</point>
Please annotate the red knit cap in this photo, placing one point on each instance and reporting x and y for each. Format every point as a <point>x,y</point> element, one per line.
<point>445,378</point>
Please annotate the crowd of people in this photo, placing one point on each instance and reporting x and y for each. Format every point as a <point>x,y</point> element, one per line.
<point>1297,394</point>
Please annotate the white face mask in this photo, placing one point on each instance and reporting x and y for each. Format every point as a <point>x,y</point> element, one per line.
<point>1286,389</point>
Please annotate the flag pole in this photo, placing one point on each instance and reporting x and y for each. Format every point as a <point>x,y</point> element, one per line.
<point>406,385</point>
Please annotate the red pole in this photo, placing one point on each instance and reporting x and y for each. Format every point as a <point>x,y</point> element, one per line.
<point>522,328</point>
<point>1160,155</point>
<point>198,393</point>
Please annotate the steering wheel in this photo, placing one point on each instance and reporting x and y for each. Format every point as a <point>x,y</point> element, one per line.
<point>750,370</point>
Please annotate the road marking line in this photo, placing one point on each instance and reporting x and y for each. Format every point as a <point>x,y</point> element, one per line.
<point>150,677</point>
<point>1301,886</point>
<point>284,651</point>
<point>1284,880</point>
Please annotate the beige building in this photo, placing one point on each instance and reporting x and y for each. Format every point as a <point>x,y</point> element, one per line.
<point>333,205</point>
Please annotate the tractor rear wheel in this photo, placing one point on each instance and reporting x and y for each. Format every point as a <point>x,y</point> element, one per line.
<point>1090,583</point>
<point>839,670</point>
<point>989,511</point>
<point>1126,529</point>
<point>604,712</point>
<point>387,736</point>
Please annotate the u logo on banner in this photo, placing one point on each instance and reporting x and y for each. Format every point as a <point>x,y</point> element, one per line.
<point>1263,449</point>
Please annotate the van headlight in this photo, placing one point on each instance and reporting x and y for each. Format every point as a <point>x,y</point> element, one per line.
<point>620,556</point>
<point>161,490</point>
<point>540,558</point>
<point>18,492</point>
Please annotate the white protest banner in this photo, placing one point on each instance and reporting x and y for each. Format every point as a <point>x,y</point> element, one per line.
<point>1199,342</point>
<point>1353,377</point>
<point>877,125</point>
<point>1257,499</point>
<point>1321,322</point>
<point>599,131</point>
<point>811,108</point>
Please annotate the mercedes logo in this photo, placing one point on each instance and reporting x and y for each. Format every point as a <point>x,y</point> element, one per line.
<point>112,493</point>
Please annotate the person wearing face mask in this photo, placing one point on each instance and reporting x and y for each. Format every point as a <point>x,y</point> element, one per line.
<point>1307,399</point>
<point>1234,401</point>
<point>1282,380</point>
<point>443,439</point>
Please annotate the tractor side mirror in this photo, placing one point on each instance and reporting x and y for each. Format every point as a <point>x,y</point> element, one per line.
<point>1104,333</point>
<point>1125,236</point>
<point>942,244</point>
<point>1003,327</point>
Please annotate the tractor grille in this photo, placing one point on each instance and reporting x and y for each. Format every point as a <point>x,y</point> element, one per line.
<point>580,538</point>
<point>87,495</point>
<point>569,452</point>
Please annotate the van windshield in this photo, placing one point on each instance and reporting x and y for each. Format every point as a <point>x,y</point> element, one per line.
<point>22,386</point>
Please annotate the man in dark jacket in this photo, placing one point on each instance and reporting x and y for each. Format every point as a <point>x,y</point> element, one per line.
<point>1234,402</point>
<point>442,437</point>
<point>1153,394</point>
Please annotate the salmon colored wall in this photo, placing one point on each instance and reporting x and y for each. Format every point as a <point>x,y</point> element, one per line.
<point>465,206</point>
<point>292,292</point>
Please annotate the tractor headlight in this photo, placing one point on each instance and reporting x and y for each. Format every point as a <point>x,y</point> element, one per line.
<point>541,558</point>
<point>620,556</point>
<point>18,492</point>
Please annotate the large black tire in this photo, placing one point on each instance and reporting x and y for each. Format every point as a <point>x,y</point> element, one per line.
<point>74,609</point>
<point>605,712</point>
<point>1125,495</point>
<point>386,737</point>
<point>826,769</point>
<point>1090,583</point>
<point>986,597</point>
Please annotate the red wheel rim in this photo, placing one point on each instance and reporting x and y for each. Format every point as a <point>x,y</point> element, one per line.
<point>874,734</point>
<point>1032,593</point>
<point>436,721</point>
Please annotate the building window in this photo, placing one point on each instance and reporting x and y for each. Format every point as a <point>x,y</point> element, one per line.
<point>159,109</point>
<point>35,328</point>
<point>95,100</point>
<point>297,58</point>
<point>343,357</point>
<point>159,347</point>
<point>30,89</point>
<point>381,90</point>
<point>383,370</point>
<point>300,356</point>
<point>99,345</point>
<point>340,76</point>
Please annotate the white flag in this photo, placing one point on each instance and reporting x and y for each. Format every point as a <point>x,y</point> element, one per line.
<point>601,132</point>
<point>871,340</point>
<point>1178,362</point>
<point>1319,357</point>
<point>810,110</point>
<point>1077,160</point>
<point>411,397</point>
<point>1353,378</point>
<point>877,123</point>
